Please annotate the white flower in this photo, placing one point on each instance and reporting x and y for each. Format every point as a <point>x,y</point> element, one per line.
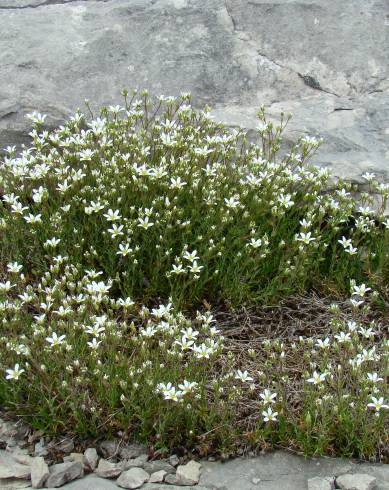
<point>54,340</point>
<point>268,397</point>
<point>305,237</point>
<point>269,415</point>
<point>360,290</point>
<point>112,215</point>
<point>36,117</point>
<point>94,344</point>
<point>323,344</point>
<point>345,242</point>
<point>52,242</point>
<point>255,243</point>
<point>243,376</point>
<point>116,230</point>
<point>317,378</point>
<point>145,223</point>
<point>6,286</point>
<point>191,256</point>
<point>124,249</point>
<point>343,337</point>
<point>377,403</point>
<point>187,387</point>
<point>14,373</point>
<point>14,267</point>
<point>195,268</point>
<point>32,219</point>
<point>374,378</point>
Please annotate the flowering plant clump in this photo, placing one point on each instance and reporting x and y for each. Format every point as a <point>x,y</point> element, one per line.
<point>167,203</point>
<point>117,228</point>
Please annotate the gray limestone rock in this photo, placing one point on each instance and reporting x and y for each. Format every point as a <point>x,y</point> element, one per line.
<point>9,468</point>
<point>91,457</point>
<point>158,465</point>
<point>319,483</point>
<point>39,472</point>
<point>133,478</point>
<point>189,474</point>
<point>157,477</point>
<point>106,469</point>
<point>234,55</point>
<point>63,473</point>
<point>356,481</point>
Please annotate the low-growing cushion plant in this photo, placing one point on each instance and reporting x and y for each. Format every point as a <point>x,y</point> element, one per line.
<point>116,228</point>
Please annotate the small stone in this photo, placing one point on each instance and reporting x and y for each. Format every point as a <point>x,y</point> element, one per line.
<point>133,478</point>
<point>173,480</point>
<point>356,481</point>
<point>174,460</point>
<point>22,458</point>
<point>9,468</point>
<point>189,474</point>
<point>64,446</point>
<point>39,472</point>
<point>131,451</point>
<point>157,477</point>
<point>40,448</point>
<point>158,465</point>
<point>91,457</point>
<point>255,481</point>
<point>79,457</point>
<point>109,449</point>
<point>63,473</point>
<point>106,469</point>
<point>134,463</point>
<point>318,483</point>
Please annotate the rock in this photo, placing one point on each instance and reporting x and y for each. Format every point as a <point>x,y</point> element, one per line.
<point>133,478</point>
<point>91,482</point>
<point>133,463</point>
<point>173,480</point>
<point>174,460</point>
<point>91,457</point>
<point>22,458</point>
<point>158,476</point>
<point>40,448</point>
<point>106,469</point>
<point>39,472</point>
<point>15,484</point>
<point>158,465</point>
<point>9,468</point>
<point>318,483</point>
<point>63,473</point>
<point>131,451</point>
<point>356,481</point>
<point>189,474</point>
<point>230,57</point>
<point>65,445</point>
<point>109,449</point>
<point>79,457</point>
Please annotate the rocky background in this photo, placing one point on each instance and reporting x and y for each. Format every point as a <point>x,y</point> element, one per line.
<point>326,61</point>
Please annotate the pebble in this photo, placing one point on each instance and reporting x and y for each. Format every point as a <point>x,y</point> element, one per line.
<point>158,465</point>
<point>318,483</point>
<point>130,451</point>
<point>39,472</point>
<point>189,474</point>
<point>63,473</point>
<point>106,469</point>
<point>91,457</point>
<point>157,477</point>
<point>174,460</point>
<point>9,468</point>
<point>356,481</point>
<point>133,478</point>
<point>109,449</point>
